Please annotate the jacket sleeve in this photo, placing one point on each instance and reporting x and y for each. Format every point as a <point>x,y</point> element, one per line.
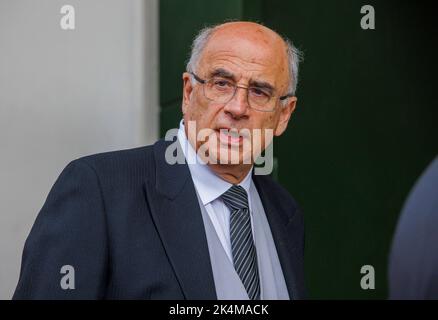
<point>65,255</point>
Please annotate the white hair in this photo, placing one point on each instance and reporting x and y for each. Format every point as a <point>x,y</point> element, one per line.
<point>294,56</point>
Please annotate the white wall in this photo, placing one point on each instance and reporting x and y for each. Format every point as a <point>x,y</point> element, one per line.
<point>65,94</point>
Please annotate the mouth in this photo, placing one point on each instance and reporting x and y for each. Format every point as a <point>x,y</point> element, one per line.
<point>229,136</point>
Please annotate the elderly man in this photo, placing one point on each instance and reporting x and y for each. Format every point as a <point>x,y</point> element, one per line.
<point>135,225</point>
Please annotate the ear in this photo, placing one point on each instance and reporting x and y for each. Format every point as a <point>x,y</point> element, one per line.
<point>187,90</point>
<point>285,114</point>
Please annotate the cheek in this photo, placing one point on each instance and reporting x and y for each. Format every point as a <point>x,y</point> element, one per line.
<point>196,109</point>
<point>268,125</point>
<point>269,121</point>
<point>201,113</point>
<point>273,121</point>
<point>195,114</point>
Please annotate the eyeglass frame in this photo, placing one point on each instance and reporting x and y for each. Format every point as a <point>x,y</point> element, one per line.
<point>202,81</point>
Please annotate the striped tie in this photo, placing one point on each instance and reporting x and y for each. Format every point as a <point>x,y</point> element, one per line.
<point>242,244</point>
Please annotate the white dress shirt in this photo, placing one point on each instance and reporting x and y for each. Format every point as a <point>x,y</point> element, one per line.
<point>210,188</point>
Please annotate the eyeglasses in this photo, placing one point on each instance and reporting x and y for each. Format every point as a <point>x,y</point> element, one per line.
<point>222,90</point>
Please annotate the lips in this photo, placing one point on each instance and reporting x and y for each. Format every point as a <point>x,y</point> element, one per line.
<point>229,136</point>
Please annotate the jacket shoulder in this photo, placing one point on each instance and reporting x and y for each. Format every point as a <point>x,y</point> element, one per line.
<point>120,163</point>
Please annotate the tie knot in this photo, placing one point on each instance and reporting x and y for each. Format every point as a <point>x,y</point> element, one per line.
<point>235,198</point>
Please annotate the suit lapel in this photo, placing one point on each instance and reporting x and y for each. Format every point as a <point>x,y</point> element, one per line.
<point>283,229</point>
<point>175,211</point>
<point>174,208</point>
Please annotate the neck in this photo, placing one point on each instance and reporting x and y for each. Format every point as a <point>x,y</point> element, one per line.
<point>233,174</point>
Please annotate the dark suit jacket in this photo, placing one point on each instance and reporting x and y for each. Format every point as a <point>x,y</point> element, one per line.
<point>130,225</point>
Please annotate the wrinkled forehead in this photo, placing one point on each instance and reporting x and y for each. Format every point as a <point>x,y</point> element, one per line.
<point>252,50</point>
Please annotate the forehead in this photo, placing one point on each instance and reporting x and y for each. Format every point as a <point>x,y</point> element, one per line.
<point>254,53</point>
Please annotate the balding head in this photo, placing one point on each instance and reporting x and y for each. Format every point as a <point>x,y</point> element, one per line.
<point>261,37</point>
<point>251,31</point>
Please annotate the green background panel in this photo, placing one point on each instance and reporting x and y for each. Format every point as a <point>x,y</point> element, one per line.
<point>179,23</point>
<point>364,128</point>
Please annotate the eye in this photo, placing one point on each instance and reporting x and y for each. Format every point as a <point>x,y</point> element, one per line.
<point>259,93</point>
<point>222,84</point>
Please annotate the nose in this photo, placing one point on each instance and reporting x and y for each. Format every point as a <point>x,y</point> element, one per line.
<point>238,106</point>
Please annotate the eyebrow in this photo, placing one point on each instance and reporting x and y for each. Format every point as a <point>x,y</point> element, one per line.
<point>262,85</point>
<point>220,72</point>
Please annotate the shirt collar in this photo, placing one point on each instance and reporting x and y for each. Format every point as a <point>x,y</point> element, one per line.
<point>208,185</point>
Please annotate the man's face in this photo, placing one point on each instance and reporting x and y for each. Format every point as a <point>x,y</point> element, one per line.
<point>249,55</point>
